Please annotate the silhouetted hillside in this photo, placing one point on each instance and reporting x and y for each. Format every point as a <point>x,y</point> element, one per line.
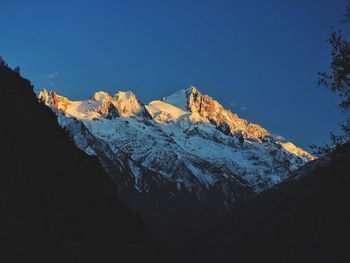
<point>307,220</point>
<point>56,203</point>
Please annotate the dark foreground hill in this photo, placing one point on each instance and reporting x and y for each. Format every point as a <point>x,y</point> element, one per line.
<point>305,220</point>
<point>56,203</point>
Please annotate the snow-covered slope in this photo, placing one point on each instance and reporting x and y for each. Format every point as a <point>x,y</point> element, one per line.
<point>185,146</point>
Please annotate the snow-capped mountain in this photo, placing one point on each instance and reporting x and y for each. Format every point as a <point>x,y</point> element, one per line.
<point>186,157</point>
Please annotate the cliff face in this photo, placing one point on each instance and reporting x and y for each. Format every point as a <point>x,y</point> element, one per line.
<point>225,120</point>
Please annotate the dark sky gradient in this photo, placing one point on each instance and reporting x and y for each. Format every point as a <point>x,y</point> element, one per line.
<point>259,58</point>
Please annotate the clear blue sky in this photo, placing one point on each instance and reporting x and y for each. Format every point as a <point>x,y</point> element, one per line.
<point>259,58</point>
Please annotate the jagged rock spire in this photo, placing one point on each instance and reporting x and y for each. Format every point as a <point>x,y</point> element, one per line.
<point>207,108</point>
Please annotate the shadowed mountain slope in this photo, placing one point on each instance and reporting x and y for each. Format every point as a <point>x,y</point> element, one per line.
<point>306,219</point>
<point>57,204</point>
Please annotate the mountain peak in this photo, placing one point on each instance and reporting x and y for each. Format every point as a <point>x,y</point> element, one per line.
<point>180,98</point>
<point>192,89</point>
<point>51,99</point>
<point>129,94</point>
<point>129,105</point>
<point>44,96</point>
<point>101,95</point>
<point>205,107</point>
